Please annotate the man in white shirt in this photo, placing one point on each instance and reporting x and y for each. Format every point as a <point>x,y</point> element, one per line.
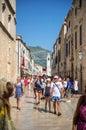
<point>56,95</point>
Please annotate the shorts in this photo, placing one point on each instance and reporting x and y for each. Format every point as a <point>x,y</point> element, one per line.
<point>55,98</point>
<point>38,89</point>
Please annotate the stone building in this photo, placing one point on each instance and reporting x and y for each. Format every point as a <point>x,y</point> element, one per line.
<point>69,44</point>
<point>59,53</point>
<point>25,63</point>
<point>79,40</point>
<point>8,39</point>
<point>54,61</point>
<point>71,60</point>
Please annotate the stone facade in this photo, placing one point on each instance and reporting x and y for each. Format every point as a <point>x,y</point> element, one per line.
<point>7,40</point>
<point>58,56</point>
<point>25,63</point>
<point>71,43</point>
<point>79,40</point>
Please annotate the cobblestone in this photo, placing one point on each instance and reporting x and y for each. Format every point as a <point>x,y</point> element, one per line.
<point>33,117</point>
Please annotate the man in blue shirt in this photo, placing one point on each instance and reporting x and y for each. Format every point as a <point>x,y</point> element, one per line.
<point>69,86</point>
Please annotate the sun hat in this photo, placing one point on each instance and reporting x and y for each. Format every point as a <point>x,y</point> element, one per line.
<point>56,77</point>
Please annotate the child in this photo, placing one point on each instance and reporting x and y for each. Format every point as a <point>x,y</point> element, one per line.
<point>47,94</point>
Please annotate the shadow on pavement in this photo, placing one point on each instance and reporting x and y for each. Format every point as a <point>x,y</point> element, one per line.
<point>30,102</point>
<point>42,110</point>
<point>14,107</point>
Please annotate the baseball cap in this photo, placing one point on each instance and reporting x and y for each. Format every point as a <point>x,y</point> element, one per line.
<point>48,79</point>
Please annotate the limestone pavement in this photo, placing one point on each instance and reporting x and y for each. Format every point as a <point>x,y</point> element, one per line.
<point>33,117</point>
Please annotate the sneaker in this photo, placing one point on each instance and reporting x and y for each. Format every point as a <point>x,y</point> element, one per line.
<point>37,103</point>
<point>18,108</point>
<point>59,114</point>
<point>54,112</point>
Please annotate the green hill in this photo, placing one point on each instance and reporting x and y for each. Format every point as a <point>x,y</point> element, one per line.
<point>39,54</point>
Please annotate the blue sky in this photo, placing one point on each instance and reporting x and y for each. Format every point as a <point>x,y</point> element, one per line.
<point>39,21</point>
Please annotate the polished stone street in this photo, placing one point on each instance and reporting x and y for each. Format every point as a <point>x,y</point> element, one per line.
<point>33,117</point>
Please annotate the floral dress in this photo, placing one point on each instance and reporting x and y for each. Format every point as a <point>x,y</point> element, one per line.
<point>81,125</point>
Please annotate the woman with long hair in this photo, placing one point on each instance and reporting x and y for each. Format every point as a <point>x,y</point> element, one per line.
<point>47,94</point>
<point>6,91</point>
<point>18,91</point>
<point>79,118</point>
<point>38,89</point>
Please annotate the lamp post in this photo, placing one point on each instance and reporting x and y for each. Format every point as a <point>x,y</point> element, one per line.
<point>80,55</point>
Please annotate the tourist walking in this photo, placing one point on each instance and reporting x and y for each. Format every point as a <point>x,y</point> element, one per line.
<point>18,91</point>
<point>56,96</point>
<point>47,94</point>
<point>38,89</point>
<point>43,82</point>
<point>61,88</point>
<point>75,86</point>
<point>64,82</point>
<point>25,84</point>
<point>69,87</point>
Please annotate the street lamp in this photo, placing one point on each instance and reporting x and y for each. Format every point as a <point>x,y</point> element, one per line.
<point>80,55</point>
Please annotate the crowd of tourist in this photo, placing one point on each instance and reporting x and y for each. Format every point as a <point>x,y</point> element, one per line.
<point>51,89</point>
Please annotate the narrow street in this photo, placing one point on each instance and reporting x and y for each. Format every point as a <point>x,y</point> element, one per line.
<point>33,117</point>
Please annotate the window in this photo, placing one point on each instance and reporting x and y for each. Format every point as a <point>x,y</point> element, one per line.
<point>23,51</point>
<point>80,3</point>
<point>59,56</point>
<point>66,49</point>
<point>3,7</point>
<point>80,30</point>
<point>69,47</point>
<point>9,18</point>
<point>76,71</point>
<point>9,23</point>
<point>9,56</point>
<point>59,40</point>
<point>75,11</point>
<point>56,60</point>
<point>3,12</point>
<point>75,40</point>
<point>67,28</point>
<point>69,24</point>
<point>48,58</point>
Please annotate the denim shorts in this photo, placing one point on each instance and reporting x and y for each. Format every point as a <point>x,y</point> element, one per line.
<point>55,98</point>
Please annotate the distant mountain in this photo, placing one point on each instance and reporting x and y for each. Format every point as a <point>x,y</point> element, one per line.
<point>39,54</point>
